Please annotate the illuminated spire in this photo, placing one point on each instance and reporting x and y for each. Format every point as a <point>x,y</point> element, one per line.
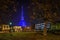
<point>22,16</point>
<point>22,21</point>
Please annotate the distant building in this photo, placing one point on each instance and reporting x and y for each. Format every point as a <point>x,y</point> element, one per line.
<point>17,28</point>
<point>27,29</point>
<point>8,28</point>
<point>55,26</point>
<point>40,26</point>
<point>5,28</point>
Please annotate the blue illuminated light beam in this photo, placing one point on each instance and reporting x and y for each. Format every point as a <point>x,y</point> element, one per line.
<point>22,21</point>
<point>22,16</point>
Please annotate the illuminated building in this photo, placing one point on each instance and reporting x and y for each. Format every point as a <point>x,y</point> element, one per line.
<point>5,28</point>
<point>40,26</point>
<point>17,28</point>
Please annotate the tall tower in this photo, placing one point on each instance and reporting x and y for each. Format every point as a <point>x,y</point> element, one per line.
<point>22,21</point>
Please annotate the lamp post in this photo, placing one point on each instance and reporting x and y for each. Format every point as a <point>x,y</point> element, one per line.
<point>11,28</point>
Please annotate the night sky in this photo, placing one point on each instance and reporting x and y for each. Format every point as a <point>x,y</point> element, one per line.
<point>10,10</point>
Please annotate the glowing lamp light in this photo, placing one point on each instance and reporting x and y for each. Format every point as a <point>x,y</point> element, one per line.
<point>10,23</point>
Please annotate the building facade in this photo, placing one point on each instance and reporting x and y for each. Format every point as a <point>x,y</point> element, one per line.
<point>5,28</point>
<point>17,28</point>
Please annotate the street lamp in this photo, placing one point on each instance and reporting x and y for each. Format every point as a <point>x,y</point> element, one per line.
<point>11,28</point>
<point>10,23</point>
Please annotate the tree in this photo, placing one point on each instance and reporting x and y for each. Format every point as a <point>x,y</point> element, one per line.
<point>46,14</point>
